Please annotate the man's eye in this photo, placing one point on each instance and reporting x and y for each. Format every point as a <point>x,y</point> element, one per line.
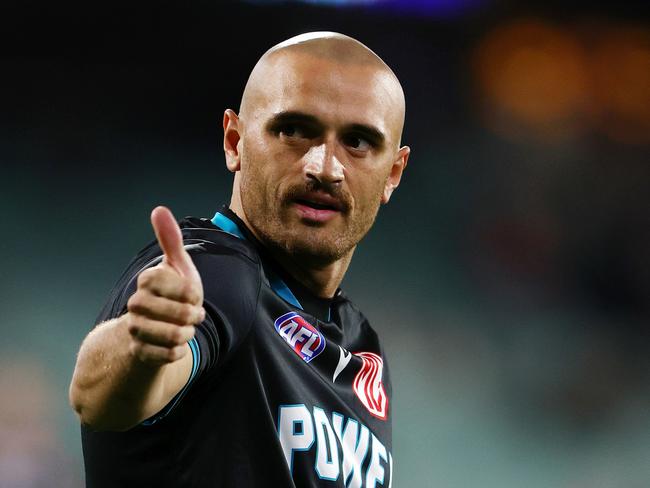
<point>293,131</point>
<point>358,143</point>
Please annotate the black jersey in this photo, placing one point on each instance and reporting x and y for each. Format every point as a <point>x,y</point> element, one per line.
<point>283,392</point>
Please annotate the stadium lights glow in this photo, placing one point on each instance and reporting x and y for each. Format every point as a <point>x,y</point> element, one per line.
<point>419,7</point>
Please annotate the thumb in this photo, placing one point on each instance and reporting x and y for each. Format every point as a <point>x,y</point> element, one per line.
<point>170,239</point>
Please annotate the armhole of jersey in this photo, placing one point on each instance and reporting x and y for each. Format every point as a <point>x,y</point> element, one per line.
<point>196,361</point>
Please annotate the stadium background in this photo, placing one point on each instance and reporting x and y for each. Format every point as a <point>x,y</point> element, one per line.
<point>509,277</point>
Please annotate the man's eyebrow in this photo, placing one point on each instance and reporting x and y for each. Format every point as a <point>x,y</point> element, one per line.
<point>373,134</point>
<point>292,116</point>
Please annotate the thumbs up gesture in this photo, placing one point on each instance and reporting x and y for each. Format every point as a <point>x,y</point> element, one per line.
<point>168,301</point>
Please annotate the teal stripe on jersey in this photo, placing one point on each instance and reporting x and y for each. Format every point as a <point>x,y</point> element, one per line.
<point>196,361</point>
<point>278,286</point>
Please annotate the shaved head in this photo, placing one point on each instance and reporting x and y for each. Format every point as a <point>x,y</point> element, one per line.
<point>315,147</point>
<point>327,46</point>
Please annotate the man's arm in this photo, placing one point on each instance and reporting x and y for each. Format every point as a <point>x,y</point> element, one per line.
<point>130,367</point>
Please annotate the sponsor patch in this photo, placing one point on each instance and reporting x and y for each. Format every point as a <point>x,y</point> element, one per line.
<point>368,386</point>
<point>306,341</point>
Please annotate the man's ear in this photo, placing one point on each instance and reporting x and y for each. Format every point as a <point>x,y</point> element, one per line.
<point>396,171</point>
<point>231,138</point>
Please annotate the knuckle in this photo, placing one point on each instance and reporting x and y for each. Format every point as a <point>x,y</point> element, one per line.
<point>175,336</point>
<point>146,277</point>
<point>134,302</point>
<point>190,331</point>
<point>140,303</point>
<point>197,315</point>
<point>133,328</point>
<point>130,320</point>
<point>135,348</point>
<point>195,294</point>
<point>173,354</point>
<point>133,319</point>
<point>187,313</point>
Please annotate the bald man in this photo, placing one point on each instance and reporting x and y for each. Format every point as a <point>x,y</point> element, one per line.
<point>227,355</point>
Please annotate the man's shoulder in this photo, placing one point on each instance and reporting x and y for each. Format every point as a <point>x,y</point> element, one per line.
<point>216,255</point>
<point>208,245</point>
<point>230,267</point>
<point>200,235</point>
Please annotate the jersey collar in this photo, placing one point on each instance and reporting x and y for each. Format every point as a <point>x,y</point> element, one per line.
<point>277,284</point>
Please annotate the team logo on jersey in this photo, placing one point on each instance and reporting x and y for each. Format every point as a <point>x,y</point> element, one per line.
<point>368,386</point>
<point>344,359</point>
<point>303,337</point>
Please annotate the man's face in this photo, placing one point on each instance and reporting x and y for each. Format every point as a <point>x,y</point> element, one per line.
<point>319,153</point>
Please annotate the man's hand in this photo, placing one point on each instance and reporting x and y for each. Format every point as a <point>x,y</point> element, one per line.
<point>130,367</point>
<point>168,301</point>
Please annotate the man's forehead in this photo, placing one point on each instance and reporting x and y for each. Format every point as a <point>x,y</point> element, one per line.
<point>302,72</point>
<point>303,81</point>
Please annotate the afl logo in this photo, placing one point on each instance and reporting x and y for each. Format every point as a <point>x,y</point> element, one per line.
<point>368,386</point>
<point>303,337</point>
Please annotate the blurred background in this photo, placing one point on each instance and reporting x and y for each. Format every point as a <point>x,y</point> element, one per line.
<point>509,277</point>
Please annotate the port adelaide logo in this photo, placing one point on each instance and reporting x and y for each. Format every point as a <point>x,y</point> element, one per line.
<point>368,385</point>
<point>306,341</point>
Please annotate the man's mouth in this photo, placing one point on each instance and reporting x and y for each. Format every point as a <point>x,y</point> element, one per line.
<point>318,207</point>
<point>320,201</point>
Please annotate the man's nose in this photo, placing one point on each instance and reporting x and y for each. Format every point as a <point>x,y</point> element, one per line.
<point>322,164</point>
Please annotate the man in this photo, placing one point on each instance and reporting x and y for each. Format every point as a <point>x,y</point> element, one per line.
<point>227,354</point>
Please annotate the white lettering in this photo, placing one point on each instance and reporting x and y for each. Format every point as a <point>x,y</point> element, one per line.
<point>355,446</point>
<point>306,349</point>
<point>298,428</point>
<point>286,331</point>
<point>327,451</point>
<point>376,470</point>
<point>300,334</point>
<point>296,431</point>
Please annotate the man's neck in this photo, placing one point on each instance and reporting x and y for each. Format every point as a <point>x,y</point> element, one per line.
<point>322,279</point>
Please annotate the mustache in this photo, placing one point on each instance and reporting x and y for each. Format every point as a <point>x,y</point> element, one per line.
<point>315,187</point>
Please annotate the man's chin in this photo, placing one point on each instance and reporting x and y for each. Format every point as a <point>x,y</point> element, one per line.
<point>318,243</point>
<point>313,247</point>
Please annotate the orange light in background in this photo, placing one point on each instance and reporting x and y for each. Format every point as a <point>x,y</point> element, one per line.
<point>621,84</point>
<point>538,81</point>
<point>532,81</point>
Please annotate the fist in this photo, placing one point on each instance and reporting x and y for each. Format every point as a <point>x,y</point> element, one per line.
<point>168,301</point>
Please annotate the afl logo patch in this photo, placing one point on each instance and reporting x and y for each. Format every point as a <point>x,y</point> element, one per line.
<point>368,386</point>
<point>303,337</point>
